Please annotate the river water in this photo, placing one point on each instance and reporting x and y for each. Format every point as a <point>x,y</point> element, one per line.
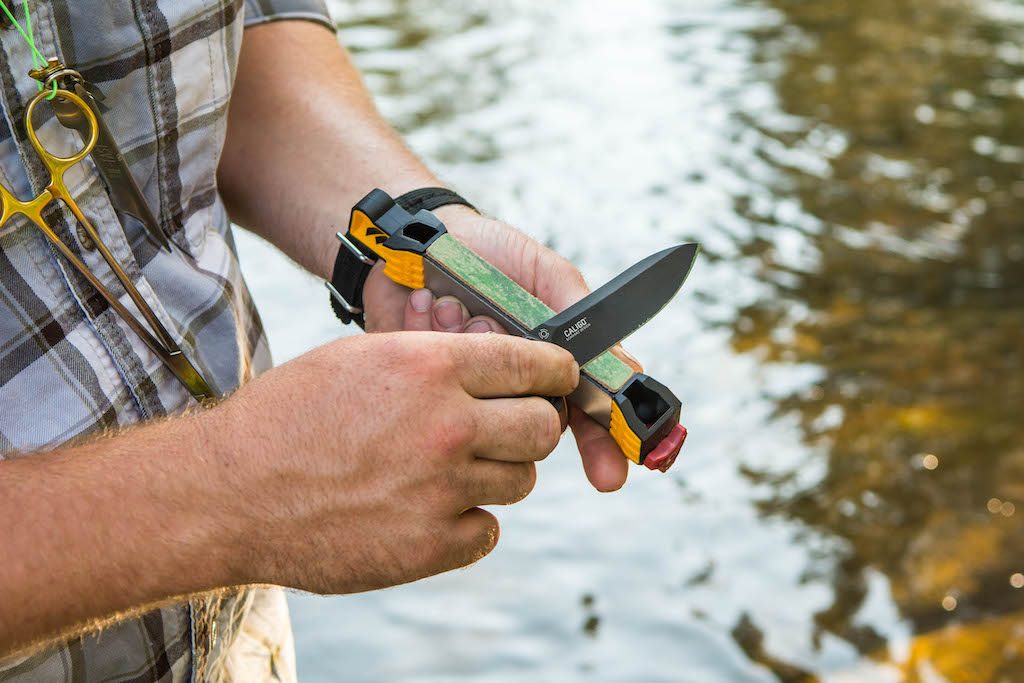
<point>848,349</point>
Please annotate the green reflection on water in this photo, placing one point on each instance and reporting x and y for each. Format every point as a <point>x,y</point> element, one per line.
<point>914,313</point>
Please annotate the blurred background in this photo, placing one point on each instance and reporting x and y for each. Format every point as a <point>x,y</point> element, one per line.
<point>848,349</point>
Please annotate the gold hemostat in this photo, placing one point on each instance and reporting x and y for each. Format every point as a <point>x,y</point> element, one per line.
<point>155,336</point>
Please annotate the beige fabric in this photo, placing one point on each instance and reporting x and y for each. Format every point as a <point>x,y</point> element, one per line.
<point>263,650</point>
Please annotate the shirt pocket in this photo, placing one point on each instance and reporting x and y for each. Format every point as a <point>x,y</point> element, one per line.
<point>168,113</point>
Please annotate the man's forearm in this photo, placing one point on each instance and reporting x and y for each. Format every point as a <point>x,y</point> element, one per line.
<point>305,142</point>
<point>117,524</point>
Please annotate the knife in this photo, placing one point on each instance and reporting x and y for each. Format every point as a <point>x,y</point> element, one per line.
<point>641,414</point>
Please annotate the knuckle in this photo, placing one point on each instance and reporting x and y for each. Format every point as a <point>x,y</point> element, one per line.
<point>522,369</point>
<point>442,363</point>
<point>550,432</point>
<point>468,430</point>
<point>480,351</point>
<point>456,434</point>
<point>540,429</point>
<point>568,371</point>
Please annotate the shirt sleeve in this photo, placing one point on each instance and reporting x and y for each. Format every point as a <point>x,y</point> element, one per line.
<point>262,11</point>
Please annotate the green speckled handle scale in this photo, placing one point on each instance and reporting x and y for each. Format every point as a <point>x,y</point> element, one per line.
<point>498,291</point>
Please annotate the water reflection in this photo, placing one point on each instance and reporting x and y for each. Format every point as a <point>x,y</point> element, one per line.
<point>852,335</point>
<point>907,292</point>
<point>408,51</point>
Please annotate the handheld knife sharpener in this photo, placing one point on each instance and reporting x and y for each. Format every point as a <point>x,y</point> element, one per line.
<point>640,413</point>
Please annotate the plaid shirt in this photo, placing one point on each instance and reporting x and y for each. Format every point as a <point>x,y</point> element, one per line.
<point>68,365</point>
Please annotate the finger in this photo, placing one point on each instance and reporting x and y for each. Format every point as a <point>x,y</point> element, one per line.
<point>474,535</point>
<point>449,315</point>
<point>550,277</point>
<point>497,366</point>
<point>603,461</point>
<point>417,311</point>
<point>489,482</point>
<point>516,429</point>
<point>383,301</point>
<point>627,358</point>
<point>559,283</point>
<point>482,323</point>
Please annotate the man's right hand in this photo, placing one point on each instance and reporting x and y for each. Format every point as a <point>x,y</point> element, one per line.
<point>362,464</point>
<point>356,466</point>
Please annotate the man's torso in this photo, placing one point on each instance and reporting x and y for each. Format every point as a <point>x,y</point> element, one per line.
<point>69,367</point>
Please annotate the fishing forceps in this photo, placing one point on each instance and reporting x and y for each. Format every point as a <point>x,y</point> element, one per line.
<point>156,336</point>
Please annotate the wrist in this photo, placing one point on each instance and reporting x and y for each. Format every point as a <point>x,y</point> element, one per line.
<point>358,251</point>
<point>340,215</point>
<point>231,461</point>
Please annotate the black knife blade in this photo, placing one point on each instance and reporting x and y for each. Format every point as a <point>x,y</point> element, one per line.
<point>614,311</point>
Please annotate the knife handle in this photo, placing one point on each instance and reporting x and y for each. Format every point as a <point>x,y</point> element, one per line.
<point>641,414</point>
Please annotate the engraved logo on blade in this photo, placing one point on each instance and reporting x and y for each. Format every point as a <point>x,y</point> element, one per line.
<point>576,329</point>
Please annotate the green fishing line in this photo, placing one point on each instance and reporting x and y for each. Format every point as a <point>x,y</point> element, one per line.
<point>38,61</point>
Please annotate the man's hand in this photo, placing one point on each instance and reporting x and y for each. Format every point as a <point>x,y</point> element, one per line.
<point>539,270</point>
<point>303,146</point>
<point>367,458</point>
<point>356,466</point>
